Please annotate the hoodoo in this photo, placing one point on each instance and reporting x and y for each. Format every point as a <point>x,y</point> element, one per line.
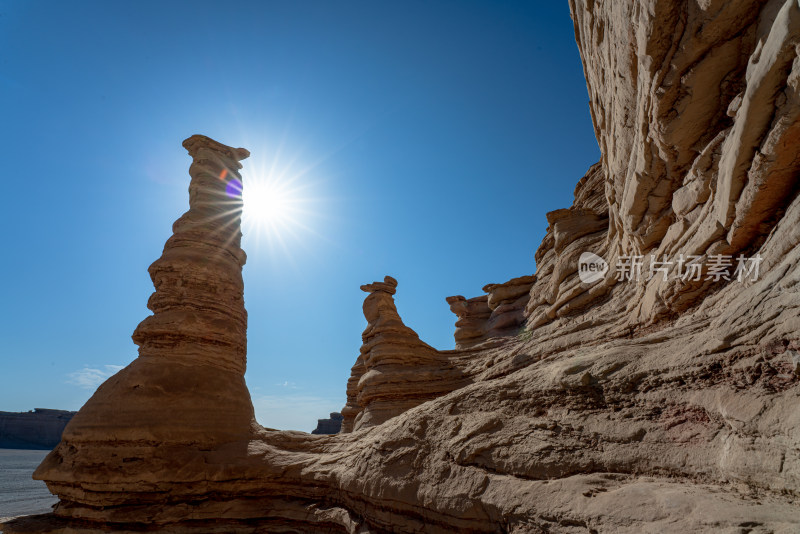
<point>157,423</point>
<point>395,370</point>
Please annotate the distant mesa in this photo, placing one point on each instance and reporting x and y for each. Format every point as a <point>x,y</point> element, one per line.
<point>329,426</point>
<point>39,429</point>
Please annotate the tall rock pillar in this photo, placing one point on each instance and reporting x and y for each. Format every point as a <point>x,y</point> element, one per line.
<point>150,432</point>
<point>198,305</point>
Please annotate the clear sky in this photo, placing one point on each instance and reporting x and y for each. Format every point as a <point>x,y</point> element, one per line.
<point>423,140</point>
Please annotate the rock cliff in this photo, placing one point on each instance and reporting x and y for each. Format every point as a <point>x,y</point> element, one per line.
<point>665,402</point>
<point>38,429</point>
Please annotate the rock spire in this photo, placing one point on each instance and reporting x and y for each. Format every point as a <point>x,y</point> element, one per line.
<point>186,389</point>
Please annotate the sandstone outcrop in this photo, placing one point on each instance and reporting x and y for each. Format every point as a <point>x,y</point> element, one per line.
<point>658,404</point>
<point>499,313</point>
<point>332,425</point>
<point>37,429</point>
<point>395,371</point>
<point>150,432</point>
<point>583,227</point>
<point>473,315</point>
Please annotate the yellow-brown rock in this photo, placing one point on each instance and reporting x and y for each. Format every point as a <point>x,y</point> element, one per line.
<point>395,371</point>
<point>150,429</point>
<point>473,315</point>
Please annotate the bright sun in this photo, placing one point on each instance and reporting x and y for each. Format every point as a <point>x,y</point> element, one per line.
<point>274,209</point>
<point>267,204</point>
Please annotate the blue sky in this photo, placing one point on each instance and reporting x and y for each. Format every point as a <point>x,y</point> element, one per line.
<point>424,140</point>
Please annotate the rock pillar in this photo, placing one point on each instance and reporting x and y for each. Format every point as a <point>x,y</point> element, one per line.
<point>150,432</point>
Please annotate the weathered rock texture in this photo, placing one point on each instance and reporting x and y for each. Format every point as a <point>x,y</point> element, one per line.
<point>499,313</point>
<point>395,370</point>
<point>332,425</point>
<point>473,315</point>
<point>37,429</point>
<point>621,406</point>
<point>151,432</point>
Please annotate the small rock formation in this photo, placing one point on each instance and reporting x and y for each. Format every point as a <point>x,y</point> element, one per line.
<point>395,371</point>
<point>499,313</point>
<point>473,314</point>
<point>558,291</point>
<point>38,429</point>
<point>329,426</point>
<point>507,302</point>
<point>658,404</point>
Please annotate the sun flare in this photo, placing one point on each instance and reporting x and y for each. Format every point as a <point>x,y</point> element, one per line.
<point>267,204</point>
<point>275,210</point>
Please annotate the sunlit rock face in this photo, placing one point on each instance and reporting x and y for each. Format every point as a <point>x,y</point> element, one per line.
<point>695,106</point>
<point>498,314</point>
<point>473,315</point>
<point>621,406</point>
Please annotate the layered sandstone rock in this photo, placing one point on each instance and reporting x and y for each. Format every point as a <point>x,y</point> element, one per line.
<point>500,313</point>
<point>148,431</point>
<point>632,406</point>
<point>507,302</point>
<point>696,112</point>
<point>473,315</point>
<point>558,291</point>
<point>395,371</point>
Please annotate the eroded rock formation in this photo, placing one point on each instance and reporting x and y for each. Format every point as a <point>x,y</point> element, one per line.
<point>499,313</point>
<point>662,404</point>
<point>150,432</point>
<point>473,315</point>
<point>395,370</point>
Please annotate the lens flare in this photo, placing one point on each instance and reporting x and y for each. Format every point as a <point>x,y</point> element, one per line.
<point>278,212</point>
<point>234,188</point>
<point>269,205</point>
